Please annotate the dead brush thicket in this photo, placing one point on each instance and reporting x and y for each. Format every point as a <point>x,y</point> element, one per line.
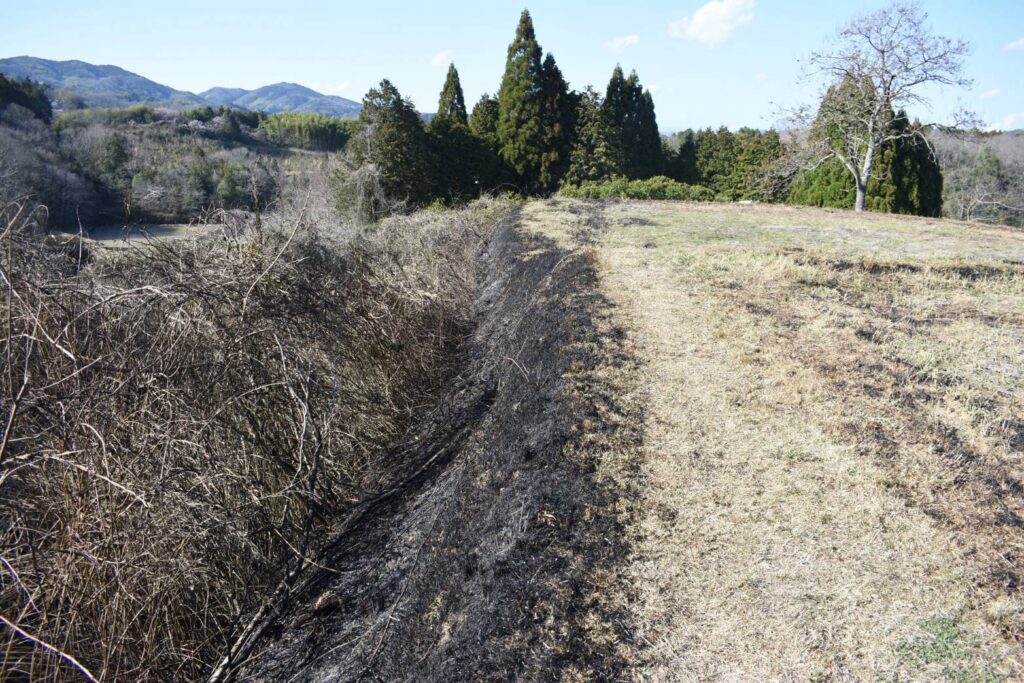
<point>182,422</point>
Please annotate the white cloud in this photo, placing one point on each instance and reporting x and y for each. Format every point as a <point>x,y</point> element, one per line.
<point>1015,45</point>
<point>652,88</point>
<point>762,77</point>
<point>989,94</point>
<point>624,41</point>
<point>442,58</point>
<point>713,23</point>
<point>1009,122</point>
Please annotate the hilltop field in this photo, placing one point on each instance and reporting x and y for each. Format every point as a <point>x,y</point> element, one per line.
<point>833,438</point>
<point>706,442</point>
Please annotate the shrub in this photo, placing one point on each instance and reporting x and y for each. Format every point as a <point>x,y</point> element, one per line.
<point>658,187</point>
<point>203,113</point>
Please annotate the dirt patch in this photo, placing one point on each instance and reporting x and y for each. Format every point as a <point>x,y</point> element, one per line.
<point>504,558</point>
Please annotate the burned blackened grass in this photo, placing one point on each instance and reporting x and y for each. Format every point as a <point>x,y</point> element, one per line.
<point>504,560</point>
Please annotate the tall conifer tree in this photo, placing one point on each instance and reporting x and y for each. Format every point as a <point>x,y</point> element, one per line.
<point>492,171</point>
<point>630,112</point>
<point>616,104</point>
<point>649,158</point>
<point>393,139</point>
<point>595,151</point>
<point>556,133</point>
<point>520,105</point>
<point>452,105</point>
<point>455,149</point>
<point>484,121</point>
<point>905,178</point>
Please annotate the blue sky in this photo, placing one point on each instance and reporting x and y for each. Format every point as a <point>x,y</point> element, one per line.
<point>725,62</point>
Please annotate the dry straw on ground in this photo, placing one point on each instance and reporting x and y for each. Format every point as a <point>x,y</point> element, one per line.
<point>833,440</point>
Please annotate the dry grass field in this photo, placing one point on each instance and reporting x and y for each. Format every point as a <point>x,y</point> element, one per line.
<point>833,438</point>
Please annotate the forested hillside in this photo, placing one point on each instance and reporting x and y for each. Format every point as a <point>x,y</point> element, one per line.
<point>76,84</point>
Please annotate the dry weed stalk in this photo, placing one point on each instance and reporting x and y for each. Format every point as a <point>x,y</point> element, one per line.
<point>182,422</point>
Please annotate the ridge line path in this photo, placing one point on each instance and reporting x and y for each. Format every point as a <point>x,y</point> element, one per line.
<point>815,498</point>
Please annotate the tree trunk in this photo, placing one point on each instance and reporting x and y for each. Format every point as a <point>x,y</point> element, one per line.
<point>861,192</point>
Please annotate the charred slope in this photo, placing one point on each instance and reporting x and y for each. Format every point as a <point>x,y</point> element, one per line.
<point>500,559</point>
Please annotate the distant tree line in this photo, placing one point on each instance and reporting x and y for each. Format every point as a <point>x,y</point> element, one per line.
<point>533,137</point>
<point>733,166</point>
<point>983,176</point>
<point>306,131</point>
<point>27,94</point>
<point>537,136</point>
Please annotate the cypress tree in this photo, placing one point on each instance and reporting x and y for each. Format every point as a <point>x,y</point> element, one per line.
<point>453,145</point>
<point>490,169</point>
<point>595,152</point>
<point>751,153</point>
<point>827,185</point>
<point>556,132</point>
<point>649,160</point>
<point>616,100</point>
<point>716,155</point>
<point>682,162</point>
<point>452,105</point>
<point>393,139</point>
<point>916,175</point>
<point>520,105</point>
<point>484,121</point>
<point>630,111</point>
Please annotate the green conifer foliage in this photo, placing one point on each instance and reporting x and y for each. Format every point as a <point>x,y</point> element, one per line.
<point>616,101</point>
<point>492,172</point>
<point>649,161</point>
<point>452,105</point>
<point>392,138</point>
<point>455,148</point>
<point>630,111</point>
<point>484,121</point>
<point>595,153</point>
<point>520,106</point>
<point>28,94</point>
<point>681,157</point>
<point>905,179</point>
<point>556,133</point>
<point>915,174</point>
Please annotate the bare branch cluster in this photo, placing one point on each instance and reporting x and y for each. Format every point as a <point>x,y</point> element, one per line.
<point>879,63</point>
<point>182,421</point>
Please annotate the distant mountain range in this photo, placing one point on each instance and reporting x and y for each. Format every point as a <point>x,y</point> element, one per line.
<point>112,86</point>
<point>282,97</point>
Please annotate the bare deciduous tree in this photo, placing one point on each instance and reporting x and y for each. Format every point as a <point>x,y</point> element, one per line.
<point>881,62</point>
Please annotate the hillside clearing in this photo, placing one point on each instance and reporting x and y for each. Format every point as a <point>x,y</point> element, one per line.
<point>833,439</point>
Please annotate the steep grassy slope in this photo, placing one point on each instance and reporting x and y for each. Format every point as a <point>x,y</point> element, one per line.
<point>833,440</point>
